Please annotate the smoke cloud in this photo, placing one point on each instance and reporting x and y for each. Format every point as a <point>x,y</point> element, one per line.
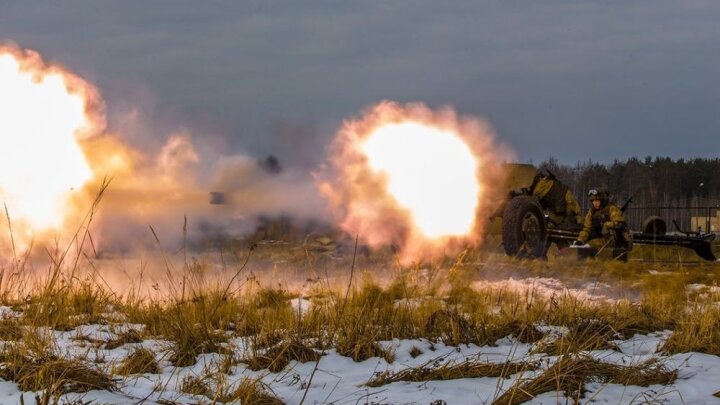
<point>167,188</point>
<point>366,201</point>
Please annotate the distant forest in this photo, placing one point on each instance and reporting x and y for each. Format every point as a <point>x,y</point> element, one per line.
<point>651,182</point>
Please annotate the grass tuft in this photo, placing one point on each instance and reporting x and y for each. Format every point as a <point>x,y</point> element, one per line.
<point>467,369</point>
<point>586,334</point>
<point>247,391</point>
<point>360,348</point>
<point>450,327</point>
<point>698,331</point>
<point>139,361</point>
<point>127,337</point>
<point>415,352</point>
<point>570,373</point>
<point>193,341</point>
<point>272,298</point>
<point>279,356</point>
<point>195,386</point>
<point>11,329</point>
<point>49,372</point>
<point>250,392</point>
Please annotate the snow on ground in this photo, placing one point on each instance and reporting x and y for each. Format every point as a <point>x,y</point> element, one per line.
<point>547,287</point>
<point>300,305</point>
<point>7,312</point>
<point>340,380</point>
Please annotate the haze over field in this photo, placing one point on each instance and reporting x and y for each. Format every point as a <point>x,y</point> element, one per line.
<point>193,97</point>
<point>404,175</point>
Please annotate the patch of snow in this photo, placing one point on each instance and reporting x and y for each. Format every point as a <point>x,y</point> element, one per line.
<point>549,288</point>
<point>7,312</point>
<point>300,305</point>
<point>340,380</point>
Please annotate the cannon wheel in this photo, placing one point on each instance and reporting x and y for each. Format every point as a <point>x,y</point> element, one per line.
<point>523,228</point>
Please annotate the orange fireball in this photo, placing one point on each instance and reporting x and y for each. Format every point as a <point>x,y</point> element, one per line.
<point>44,113</point>
<point>414,177</point>
<point>442,198</point>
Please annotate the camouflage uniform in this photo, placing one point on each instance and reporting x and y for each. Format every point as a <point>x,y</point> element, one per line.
<point>558,201</point>
<point>605,227</point>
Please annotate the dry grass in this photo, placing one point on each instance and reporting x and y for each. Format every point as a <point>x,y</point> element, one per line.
<point>189,332</point>
<point>697,331</point>
<point>202,322</point>
<point>139,361</point>
<point>585,335</point>
<point>197,325</point>
<point>247,391</point>
<point>271,298</point>
<point>435,301</point>
<point>69,305</point>
<point>127,337</point>
<point>11,329</point>
<point>404,309</point>
<point>569,374</point>
<point>35,371</point>
<point>194,326</point>
<point>467,369</point>
<point>195,341</point>
<point>361,348</point>
<point>250,392</point>
<point>194,385</point>
<point>276,358</point>
<point>450,327</point>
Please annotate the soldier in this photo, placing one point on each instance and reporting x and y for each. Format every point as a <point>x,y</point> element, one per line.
<point>557,200</point>
<point>604,225</point>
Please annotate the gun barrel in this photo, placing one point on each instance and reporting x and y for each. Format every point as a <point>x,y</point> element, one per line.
<point>557,235</point>
<point>700,244</point>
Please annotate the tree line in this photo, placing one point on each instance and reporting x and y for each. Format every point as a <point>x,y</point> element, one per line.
<point>651,182</point>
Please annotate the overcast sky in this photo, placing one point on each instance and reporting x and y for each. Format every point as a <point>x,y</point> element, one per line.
<point>571,79</point>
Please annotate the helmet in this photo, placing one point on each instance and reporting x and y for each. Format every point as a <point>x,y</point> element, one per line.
<point>599,194</point>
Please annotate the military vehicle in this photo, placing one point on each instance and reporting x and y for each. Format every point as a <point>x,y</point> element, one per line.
<point>521,219</point>
<point>526,232</point>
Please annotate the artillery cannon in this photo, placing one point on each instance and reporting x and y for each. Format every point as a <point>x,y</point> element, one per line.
<point>526,232</point>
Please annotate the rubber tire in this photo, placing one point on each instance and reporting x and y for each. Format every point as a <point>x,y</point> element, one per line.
<point>514,239</point>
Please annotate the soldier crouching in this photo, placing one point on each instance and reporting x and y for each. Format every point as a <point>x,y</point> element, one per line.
<point>604,228</point>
